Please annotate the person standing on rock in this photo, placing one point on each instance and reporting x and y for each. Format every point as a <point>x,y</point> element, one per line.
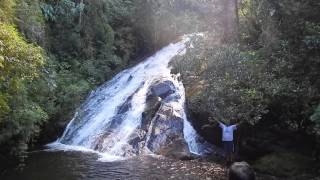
<point>227,140</point>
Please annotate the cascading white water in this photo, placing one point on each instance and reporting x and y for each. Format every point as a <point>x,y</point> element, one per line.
<point>101,125</point>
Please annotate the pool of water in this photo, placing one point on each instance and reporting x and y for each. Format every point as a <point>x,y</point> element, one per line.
<point>69,165</point>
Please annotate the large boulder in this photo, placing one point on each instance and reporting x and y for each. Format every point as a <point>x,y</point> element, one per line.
<point>162,89</point>
<point>241,171</point>
<point>177,150</point>
<point>166,128</point>
<point>165,132</point>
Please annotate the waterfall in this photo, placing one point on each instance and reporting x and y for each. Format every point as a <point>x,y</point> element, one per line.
<point>111,120</point>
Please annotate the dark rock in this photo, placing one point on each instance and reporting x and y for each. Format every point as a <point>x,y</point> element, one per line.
<point>164,132</point>
<point>152,105</point>
<point>126,106</point>
<point>166,129</point>
<point>50,132</point>
<point>212,134</point>
<point>177,150</point>
<point>172,97</point>
<point>130,78</point>
<point>163,89</point>
<point>284,164</point>
<point>62,125</point>
<point>241,171</point>
<point>138,136</point>
<point>165,126</point>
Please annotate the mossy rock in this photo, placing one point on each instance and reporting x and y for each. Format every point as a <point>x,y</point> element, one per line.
<point>284,164</point>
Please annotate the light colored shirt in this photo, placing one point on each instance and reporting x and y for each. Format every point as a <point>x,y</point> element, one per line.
<point>227,131</point>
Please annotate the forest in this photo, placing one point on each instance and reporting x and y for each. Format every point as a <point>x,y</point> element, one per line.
<point>257,64</point>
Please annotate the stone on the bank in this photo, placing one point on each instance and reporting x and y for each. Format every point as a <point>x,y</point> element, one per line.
<point>241,171</point>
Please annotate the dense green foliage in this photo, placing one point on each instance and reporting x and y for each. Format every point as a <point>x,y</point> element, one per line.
<point>288,44</point>
<point>20,64</point>
<point>83,43</point>
<point>230,88</point>
<point>270,79</point>
<point>86,52</point>
<point>7,10</point>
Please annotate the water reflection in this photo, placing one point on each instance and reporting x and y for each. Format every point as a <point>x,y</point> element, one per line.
<point>83,166</point>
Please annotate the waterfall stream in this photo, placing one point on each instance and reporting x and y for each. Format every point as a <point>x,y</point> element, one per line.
<point>111,120</point>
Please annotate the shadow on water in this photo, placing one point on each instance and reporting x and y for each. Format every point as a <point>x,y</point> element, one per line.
<point>82,166</point>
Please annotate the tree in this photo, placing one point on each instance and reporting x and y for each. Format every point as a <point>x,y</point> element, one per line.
<point>230,18</point>
<point>20,116</point>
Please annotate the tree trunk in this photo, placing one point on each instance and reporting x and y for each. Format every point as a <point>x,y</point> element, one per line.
<point>80,15</point>
<point>230,20</point>
<point>237,23</point>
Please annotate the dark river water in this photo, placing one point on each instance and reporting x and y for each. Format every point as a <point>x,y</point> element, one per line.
<point>44,165</point>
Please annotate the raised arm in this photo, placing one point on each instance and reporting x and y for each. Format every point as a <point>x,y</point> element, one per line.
<point>221,124</point>
<point>235,126</point>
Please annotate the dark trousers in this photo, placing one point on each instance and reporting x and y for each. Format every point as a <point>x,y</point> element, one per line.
<point>228,147</point>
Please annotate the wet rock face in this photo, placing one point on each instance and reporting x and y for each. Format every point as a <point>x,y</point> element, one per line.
<point>177,150</point>
<point>241,171</point>
<point>161,129</point>
<point>137,139</point>
<point>162,89</point>
<point>152,105</point>
<point>165,131</point>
